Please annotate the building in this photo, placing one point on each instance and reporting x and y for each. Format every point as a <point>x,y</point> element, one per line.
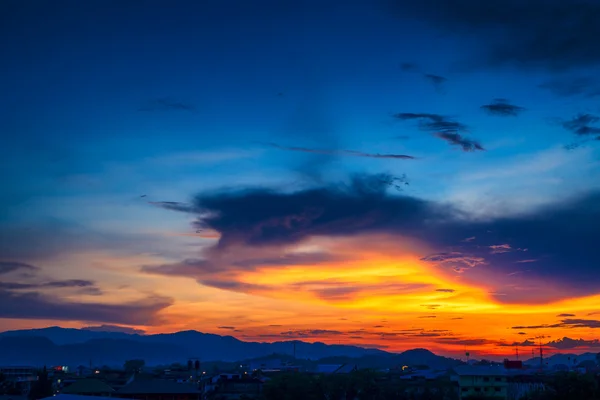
<point>19,373</point>
<point>233,387</point>
<point>335,368</point>
<point>508,364</point>
<point>489,381</point>
<point>88,387</point>
<point>158,389</point>
<point>76,397</point>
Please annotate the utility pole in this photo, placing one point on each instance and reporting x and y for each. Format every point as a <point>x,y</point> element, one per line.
<point>541,356</point>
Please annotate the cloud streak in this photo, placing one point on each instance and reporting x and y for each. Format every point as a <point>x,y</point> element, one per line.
<point>34,305</point>
<point>167,104</point>
<point>437,81</point>
<point>502,108</point>
<point>444,128</point>
<point>350,153</point>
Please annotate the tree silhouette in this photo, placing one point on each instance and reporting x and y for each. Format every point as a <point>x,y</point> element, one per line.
<point>41,388</point>
<point>134,366</point>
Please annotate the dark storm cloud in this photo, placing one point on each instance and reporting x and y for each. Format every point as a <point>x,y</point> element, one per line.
<point>568,87</point>
<point>583,124</point>
<point>34,305</point>
<point>566,315</point>
<point>502,108</point>
<point>437,81</point>
<point>9,266</point>
<point>268,217</point>
<point>552,34</point>
<point>351,153</point>
<point>167,104</point>
<point>442,127</point>
<point>230,328</point>
<point>561,234</point>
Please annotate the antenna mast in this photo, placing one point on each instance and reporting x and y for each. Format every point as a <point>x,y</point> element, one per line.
<point>541,355</point>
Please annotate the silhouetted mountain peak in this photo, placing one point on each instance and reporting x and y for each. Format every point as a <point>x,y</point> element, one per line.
<point>55,345</point>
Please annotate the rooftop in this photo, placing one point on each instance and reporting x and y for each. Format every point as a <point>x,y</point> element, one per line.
<point>158,386</point>
<point>76,397</point>
<point>472,370</point>
<point>87,386</point>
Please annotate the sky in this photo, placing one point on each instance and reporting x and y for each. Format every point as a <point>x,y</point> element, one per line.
<point>388,173</point>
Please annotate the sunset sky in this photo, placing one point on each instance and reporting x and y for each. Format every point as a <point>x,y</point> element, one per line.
<point>385,173</point>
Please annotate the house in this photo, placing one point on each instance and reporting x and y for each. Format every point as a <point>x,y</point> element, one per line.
<point>19,373</point>
<point>76,397</point>
<point>89,387</point>
<point>489,381</point>
<point>513,364</point>
<point>335,368</point>
<point>158,389</point>
<point>232,387</point>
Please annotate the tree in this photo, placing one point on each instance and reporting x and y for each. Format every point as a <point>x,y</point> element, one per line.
<point>574,386</point>
<point>134,366</point>
<point>41,388</point>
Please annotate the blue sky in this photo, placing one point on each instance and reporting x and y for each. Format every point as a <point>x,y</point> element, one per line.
<point>104,102</point>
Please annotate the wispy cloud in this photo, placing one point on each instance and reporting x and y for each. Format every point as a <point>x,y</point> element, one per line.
<point>457,140</point>
<point>582,124</point>
<point>444,128</point>
<point>500,248</point>
<point>409,67</point>
<point>33,305</point>
<point>437,81</point>
<point>9,266</point>
<point>351,153</point>
<point>458,261</point>
<point>566,324</point>
<point>167,104</point>
<point>502,108</point>
<point>573,86</point>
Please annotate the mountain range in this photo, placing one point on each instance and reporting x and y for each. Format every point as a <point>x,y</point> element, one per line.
<point>67,346</point>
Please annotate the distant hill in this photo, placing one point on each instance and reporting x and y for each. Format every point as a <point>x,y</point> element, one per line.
<point>563,358</point>
<point>65,346</point>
